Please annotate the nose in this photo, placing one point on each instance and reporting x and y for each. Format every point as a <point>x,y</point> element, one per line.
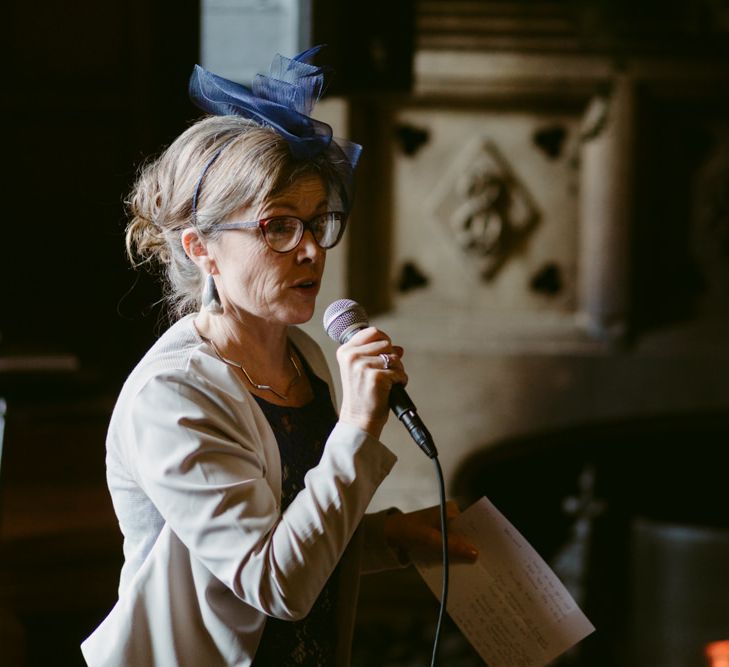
<point>308,249</point>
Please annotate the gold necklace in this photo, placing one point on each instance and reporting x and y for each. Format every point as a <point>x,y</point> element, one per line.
<point>262,387</point>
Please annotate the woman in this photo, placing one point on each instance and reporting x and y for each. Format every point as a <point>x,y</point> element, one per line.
<point>240,492</point>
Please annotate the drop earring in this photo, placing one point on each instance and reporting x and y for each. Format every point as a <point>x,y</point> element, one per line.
<point>210,296</point>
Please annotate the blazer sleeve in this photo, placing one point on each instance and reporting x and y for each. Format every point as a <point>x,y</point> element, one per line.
<point>201,460</point>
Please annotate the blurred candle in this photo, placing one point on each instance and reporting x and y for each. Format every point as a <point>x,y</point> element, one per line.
<point>717,654</point>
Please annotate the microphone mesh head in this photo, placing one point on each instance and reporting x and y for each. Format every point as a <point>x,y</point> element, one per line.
<point>342,316</point>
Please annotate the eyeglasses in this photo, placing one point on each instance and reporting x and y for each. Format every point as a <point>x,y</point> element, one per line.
<point>283,233</point>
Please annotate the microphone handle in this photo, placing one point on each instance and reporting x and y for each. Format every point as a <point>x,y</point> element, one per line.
<point>402,405</point>
<point>404,408</point>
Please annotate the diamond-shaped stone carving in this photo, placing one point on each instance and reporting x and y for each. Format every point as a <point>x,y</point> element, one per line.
<point>485,206</point>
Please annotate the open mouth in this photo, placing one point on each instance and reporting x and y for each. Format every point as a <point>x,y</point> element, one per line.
<point>306,285</point>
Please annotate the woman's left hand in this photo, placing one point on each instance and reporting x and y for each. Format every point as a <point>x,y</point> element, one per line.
<point>418,534</point>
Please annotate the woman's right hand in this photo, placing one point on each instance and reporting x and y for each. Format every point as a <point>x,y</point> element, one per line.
<point>366,383</point>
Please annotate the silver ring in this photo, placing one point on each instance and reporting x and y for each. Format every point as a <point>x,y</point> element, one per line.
<point>386,360</point>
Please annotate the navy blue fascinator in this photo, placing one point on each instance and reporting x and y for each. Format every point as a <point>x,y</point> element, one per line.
<point>282,100</point>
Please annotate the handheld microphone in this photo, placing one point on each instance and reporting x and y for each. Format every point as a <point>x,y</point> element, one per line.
<point>344,318</point>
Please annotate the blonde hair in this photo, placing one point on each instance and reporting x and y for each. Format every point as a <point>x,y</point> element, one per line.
<point>254,164</point>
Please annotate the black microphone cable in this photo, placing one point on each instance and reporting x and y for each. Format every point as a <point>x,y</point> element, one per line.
<point>342,319</point>
<point>444,584</point>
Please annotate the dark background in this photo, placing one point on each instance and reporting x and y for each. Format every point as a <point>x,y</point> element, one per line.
<point>90,90</point>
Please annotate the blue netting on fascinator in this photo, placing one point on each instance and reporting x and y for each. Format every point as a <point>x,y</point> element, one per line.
<point>282,100</point>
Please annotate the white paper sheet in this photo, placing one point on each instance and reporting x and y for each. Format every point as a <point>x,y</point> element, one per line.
<point>509,604</point>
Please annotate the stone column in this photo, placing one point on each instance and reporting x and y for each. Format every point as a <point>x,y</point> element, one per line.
<point>605,208</point>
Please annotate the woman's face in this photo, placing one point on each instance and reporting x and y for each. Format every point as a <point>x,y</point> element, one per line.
<point>253,280</point>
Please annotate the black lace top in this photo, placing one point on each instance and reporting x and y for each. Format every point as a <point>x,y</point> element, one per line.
<point>301,433</point>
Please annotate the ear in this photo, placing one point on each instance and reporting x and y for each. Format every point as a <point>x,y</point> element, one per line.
<point>196,249</point>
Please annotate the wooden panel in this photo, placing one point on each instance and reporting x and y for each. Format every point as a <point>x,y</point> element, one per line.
<point>60,545</point>
<point>94,88</point>
<point>91,89</point>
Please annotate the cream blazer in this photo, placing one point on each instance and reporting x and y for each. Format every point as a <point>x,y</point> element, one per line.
<point>195,478</point>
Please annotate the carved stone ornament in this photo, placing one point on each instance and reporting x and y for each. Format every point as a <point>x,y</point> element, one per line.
<point>486,207</point>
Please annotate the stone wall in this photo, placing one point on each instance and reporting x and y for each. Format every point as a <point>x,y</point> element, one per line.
<point>525,318</point>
